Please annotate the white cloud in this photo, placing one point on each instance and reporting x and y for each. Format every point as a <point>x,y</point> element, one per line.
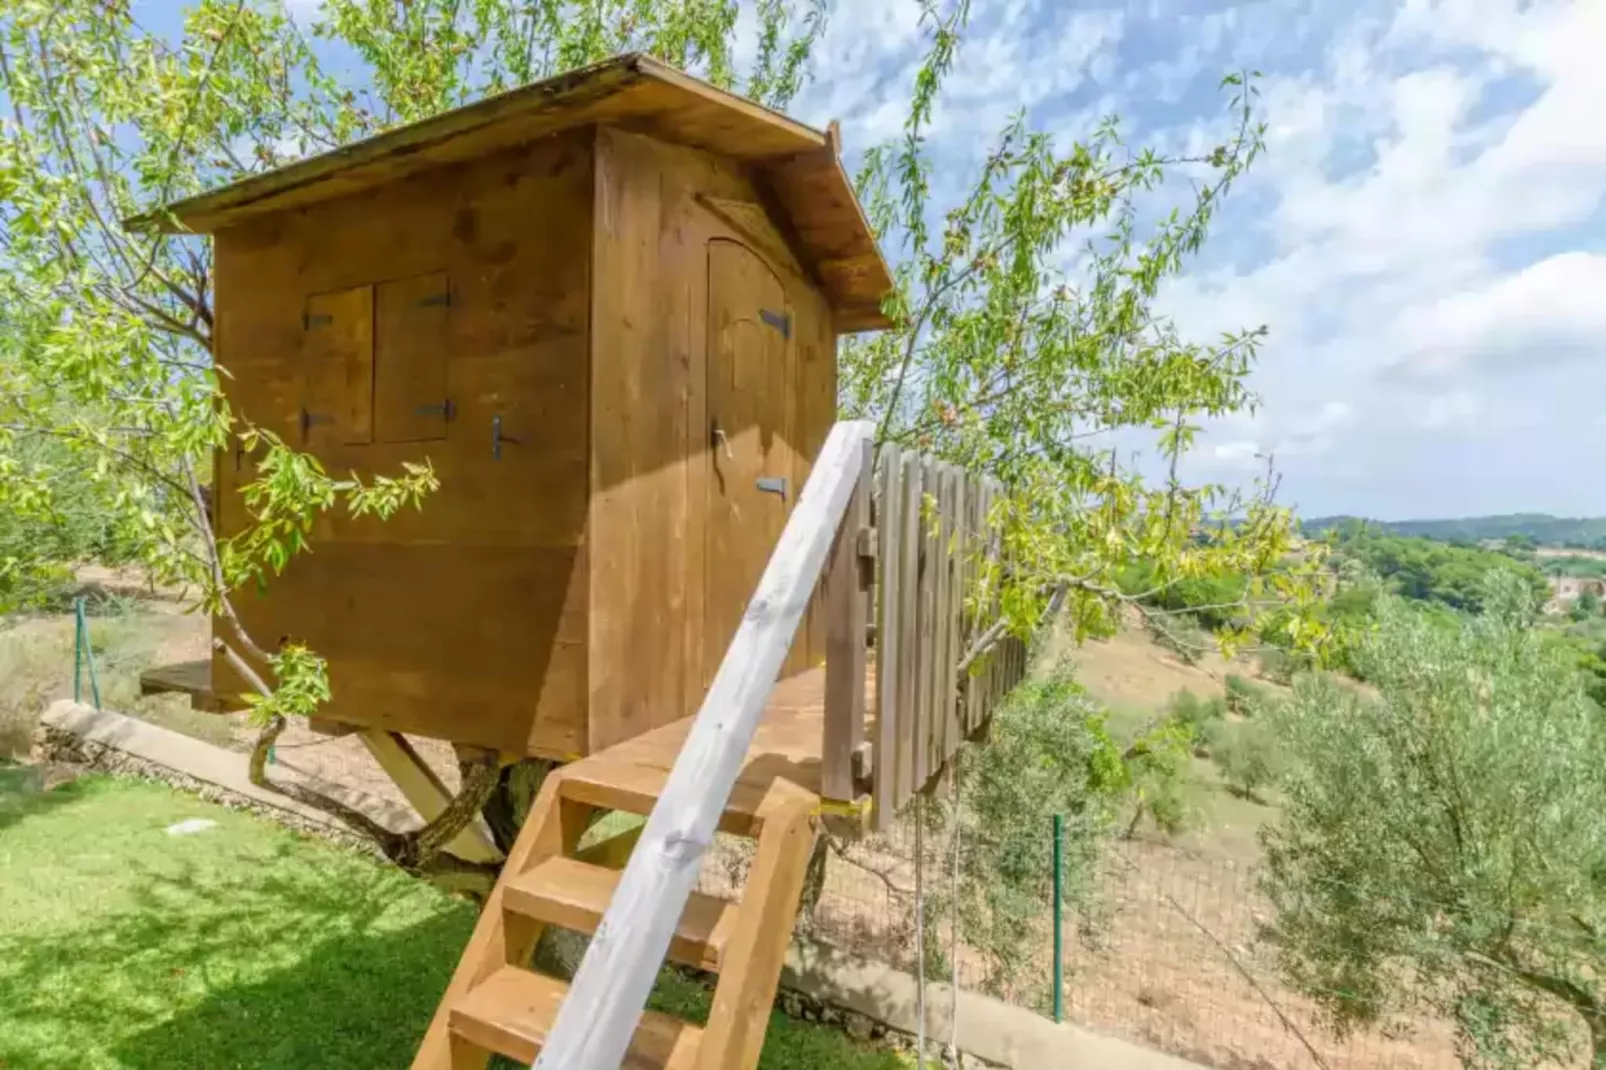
<point>1457,410</point>
<point>1548,312</point>
<point>1431,209</point>
<point>1236,451</point>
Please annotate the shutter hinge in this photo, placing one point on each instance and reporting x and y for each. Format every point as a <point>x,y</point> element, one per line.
<point>445,410</point>
<point>781,321</point>
<point>313,419</point>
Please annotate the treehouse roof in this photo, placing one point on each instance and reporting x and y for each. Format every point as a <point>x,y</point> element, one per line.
<point>800,165</point>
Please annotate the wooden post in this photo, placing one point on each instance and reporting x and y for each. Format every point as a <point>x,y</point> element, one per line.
<point>930,675</point>
<point>888,638</point>
<point>424,790</point>
<point>594,1026</point>
<point>845,600</point>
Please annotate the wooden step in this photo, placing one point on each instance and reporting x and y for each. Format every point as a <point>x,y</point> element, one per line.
<point>635,788</point>
<point>510,1012</point>
<point>574,895</point>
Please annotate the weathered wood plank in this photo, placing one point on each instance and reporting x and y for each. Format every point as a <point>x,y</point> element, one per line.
<point>845,645</point>
<point>909,656</point>
<point>956,596</point>
<point>889,637</point>
<point>594,1026</point>
<point>942,673</point>
<point>925,615</point>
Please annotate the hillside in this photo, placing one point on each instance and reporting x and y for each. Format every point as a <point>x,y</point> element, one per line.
<point>1587,532</point>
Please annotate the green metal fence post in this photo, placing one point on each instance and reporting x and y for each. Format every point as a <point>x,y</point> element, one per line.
<point>78,650</point>
<point>83,653</point>
<point>1059,932</point>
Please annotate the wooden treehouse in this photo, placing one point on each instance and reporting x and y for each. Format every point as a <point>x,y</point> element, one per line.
<point>605,307</point>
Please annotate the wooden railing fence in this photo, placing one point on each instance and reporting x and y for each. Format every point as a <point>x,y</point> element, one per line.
<point>909,551</point>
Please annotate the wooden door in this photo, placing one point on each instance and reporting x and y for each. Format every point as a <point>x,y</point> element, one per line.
<point>752,459</point>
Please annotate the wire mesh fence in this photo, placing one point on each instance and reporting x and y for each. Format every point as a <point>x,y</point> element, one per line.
<point>1170,953</point>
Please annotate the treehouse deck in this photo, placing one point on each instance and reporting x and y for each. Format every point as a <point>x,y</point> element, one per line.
<point>192,678</point>
<point>787,745</point>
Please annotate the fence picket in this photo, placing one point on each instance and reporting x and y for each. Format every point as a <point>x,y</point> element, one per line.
<point>889,637</point>
<point>909,662</point>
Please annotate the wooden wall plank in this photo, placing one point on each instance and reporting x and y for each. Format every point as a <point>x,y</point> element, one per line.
<point>890,652</point>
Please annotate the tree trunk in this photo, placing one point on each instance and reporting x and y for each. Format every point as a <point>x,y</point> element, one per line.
<point>813,882</point>
<point>510,800</point>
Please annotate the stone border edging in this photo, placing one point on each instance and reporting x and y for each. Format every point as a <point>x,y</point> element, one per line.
<point>115,743</point>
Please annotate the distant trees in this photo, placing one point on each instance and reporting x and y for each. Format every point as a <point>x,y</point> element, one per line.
<point>1443,845</point>
<point>1430,571</point>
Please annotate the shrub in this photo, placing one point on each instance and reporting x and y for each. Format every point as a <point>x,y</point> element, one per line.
<point>1244,696</point>
<point>1250,758</point>
<point>1202,717</point>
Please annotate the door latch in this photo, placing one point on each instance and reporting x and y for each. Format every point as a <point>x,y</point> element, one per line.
<point>718,439</point>
<point>497,438</point>
<point>773,485</point>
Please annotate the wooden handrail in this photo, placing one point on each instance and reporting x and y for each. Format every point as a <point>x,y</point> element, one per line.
<point>596,1022</point>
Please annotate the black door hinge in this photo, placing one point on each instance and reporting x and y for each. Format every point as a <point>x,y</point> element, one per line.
<point>436,299</point>
<point>781,321</point>
<point>309,321</point>
<point>310,420</point>
<point>445,410</point>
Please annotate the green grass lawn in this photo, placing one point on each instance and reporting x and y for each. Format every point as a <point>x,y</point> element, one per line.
<point>242,946</point>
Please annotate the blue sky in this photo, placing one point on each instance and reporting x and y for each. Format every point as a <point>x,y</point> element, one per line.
<point>1425,239</point>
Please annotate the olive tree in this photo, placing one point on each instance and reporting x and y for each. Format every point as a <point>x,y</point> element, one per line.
<point>1443,845</point>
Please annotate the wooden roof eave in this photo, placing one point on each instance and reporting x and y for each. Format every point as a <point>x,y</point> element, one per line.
<point>632,91</point>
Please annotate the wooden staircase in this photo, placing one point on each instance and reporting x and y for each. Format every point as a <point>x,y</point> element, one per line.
<point>762,759</point>
<point>498,1004</point>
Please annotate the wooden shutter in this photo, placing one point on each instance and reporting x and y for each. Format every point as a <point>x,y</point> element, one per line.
<point>410,378</point>
<point>337,402</point>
